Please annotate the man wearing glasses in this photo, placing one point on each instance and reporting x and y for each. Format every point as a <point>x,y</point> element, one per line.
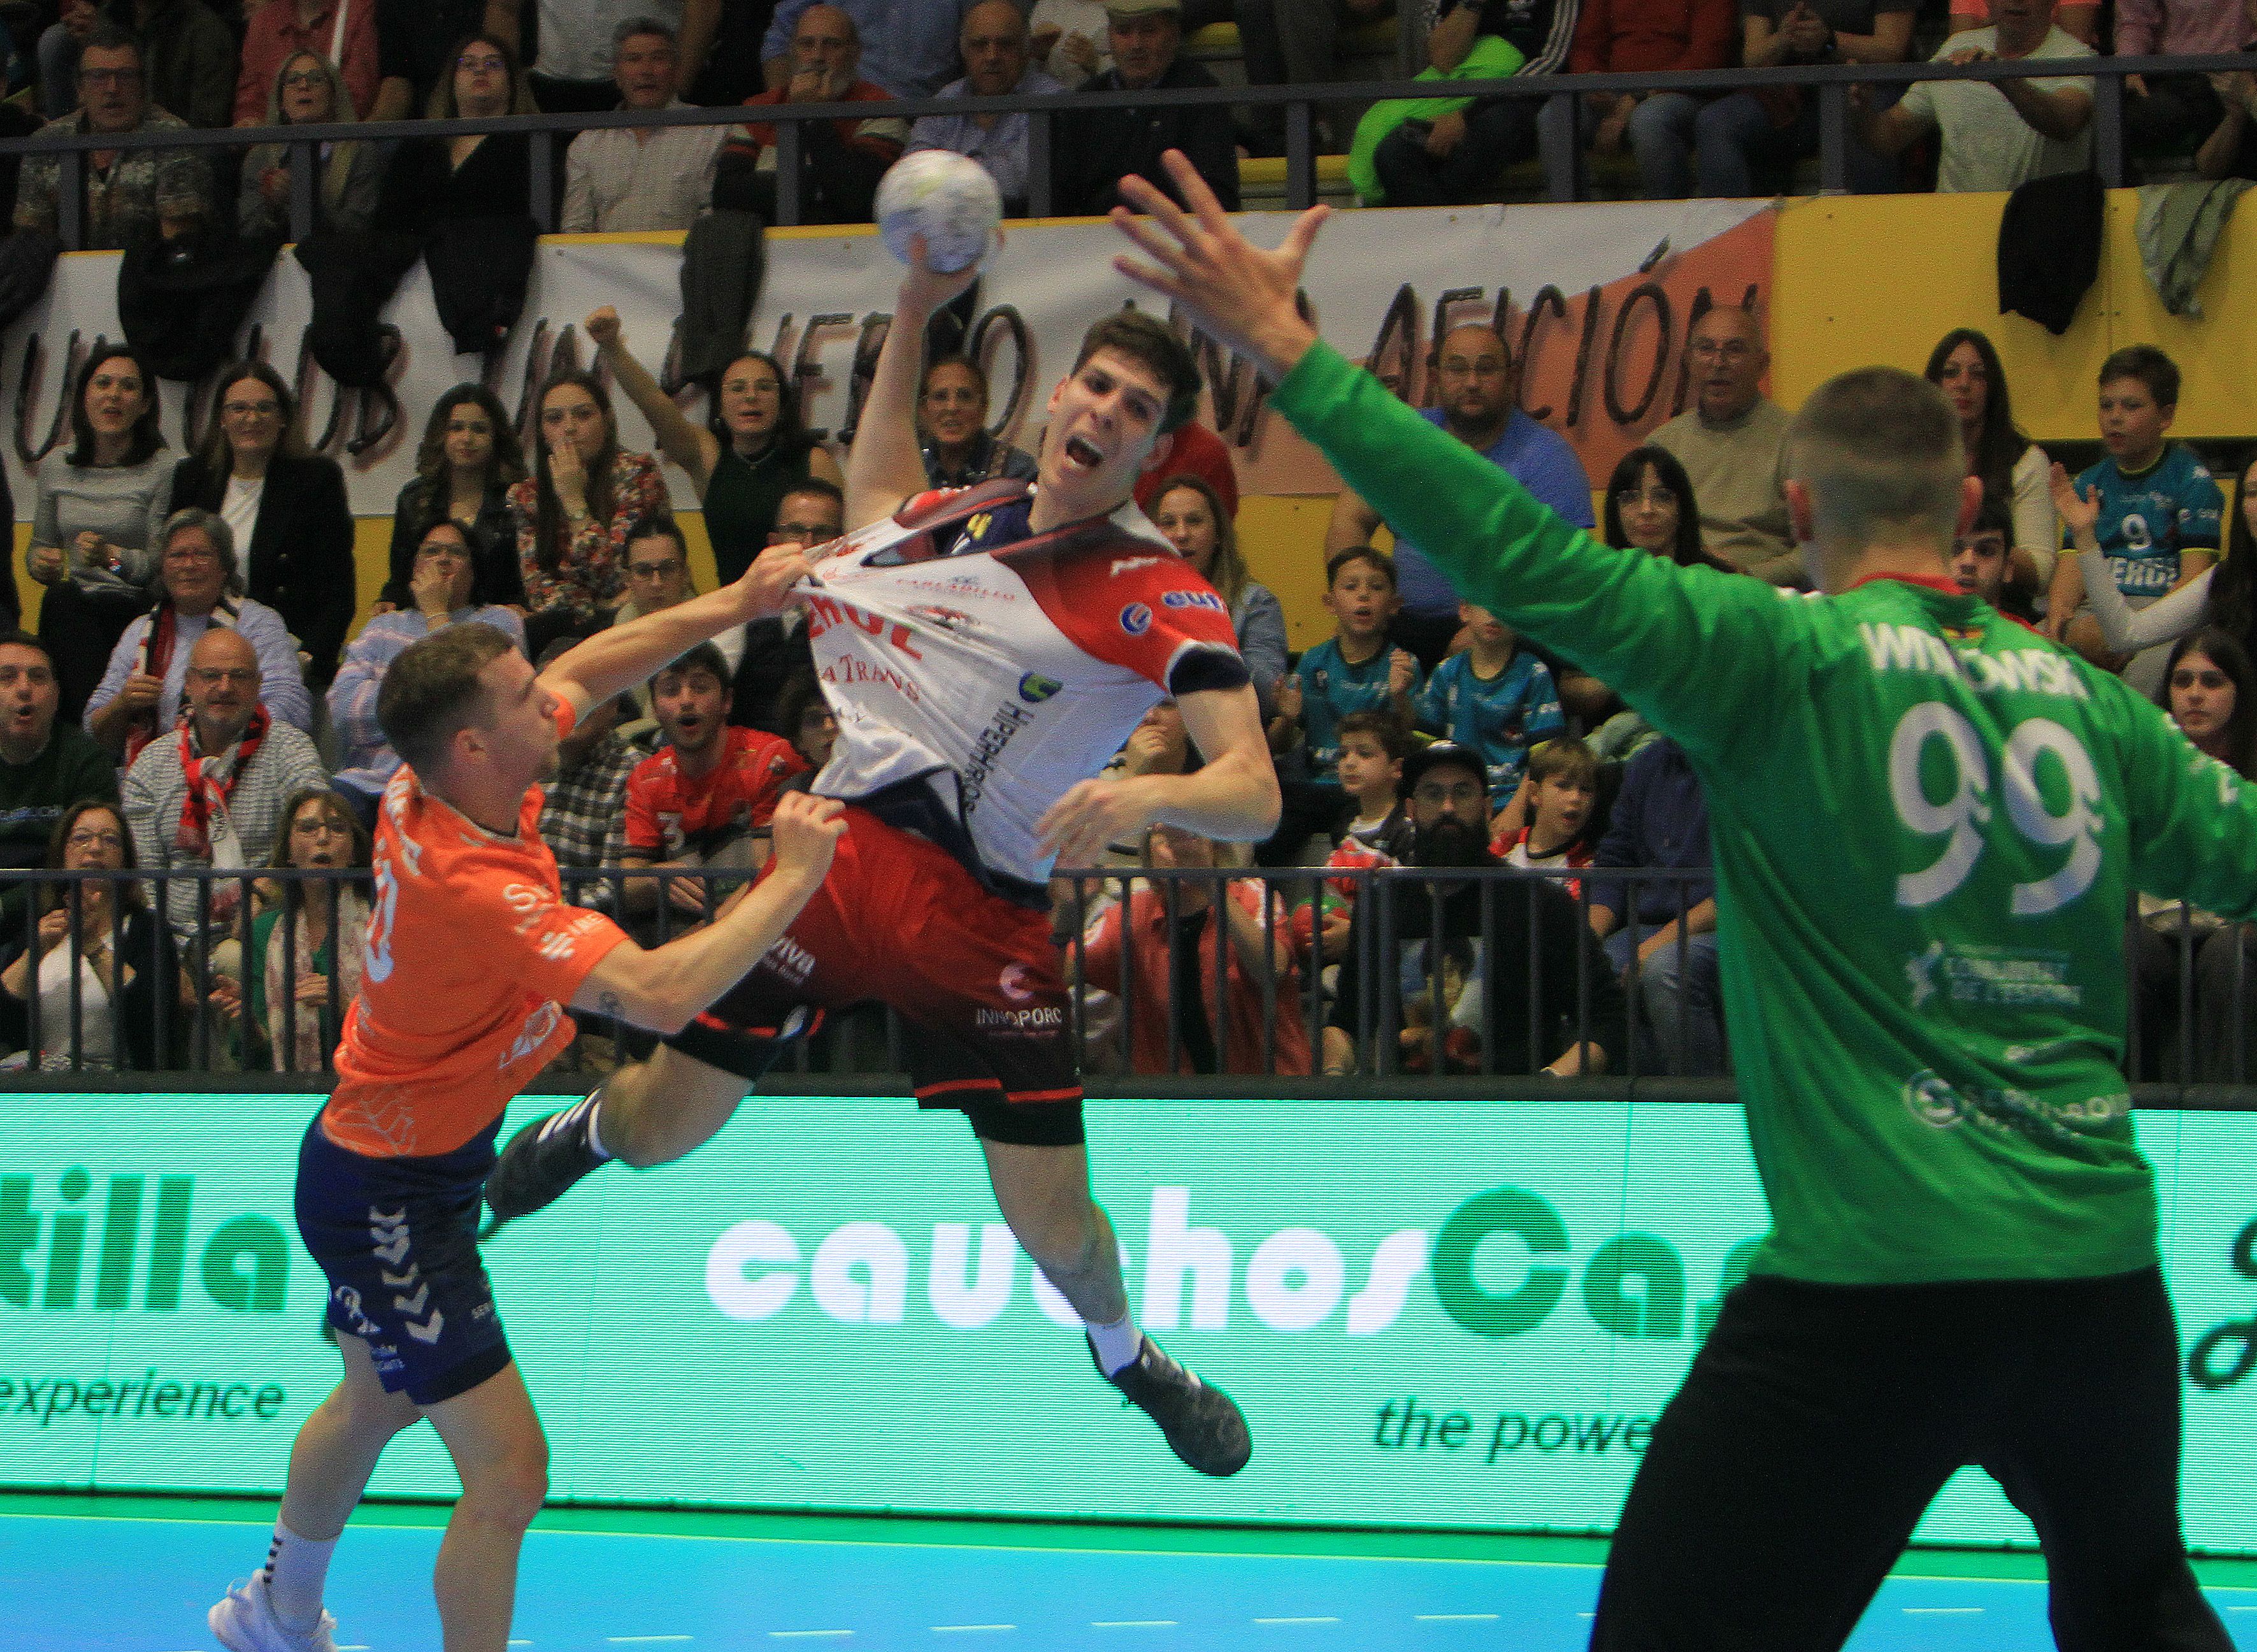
<point>121,185</point>
<point>775,650</point>
<point>1732,442</point>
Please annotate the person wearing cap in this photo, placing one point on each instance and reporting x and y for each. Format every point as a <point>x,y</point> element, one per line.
<point>1096,148</point>
<point>1495,1017</point>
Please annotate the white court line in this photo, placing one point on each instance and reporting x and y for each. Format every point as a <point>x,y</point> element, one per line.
<point>974,1628</point>
<point>635,1640</point>
<point>1943,1611</point>
<point>1453,1617</point>
<point>1297,1619</point>
<point>1135,1623</point>
<point>810,1635</point>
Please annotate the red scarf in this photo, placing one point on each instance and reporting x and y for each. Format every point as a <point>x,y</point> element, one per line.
<point>205,793</point>
<point>154,658</point>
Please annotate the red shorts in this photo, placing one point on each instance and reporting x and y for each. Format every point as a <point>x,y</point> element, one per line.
<point>900,922</point>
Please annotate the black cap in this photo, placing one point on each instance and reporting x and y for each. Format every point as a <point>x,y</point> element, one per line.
<point>1434,756</point>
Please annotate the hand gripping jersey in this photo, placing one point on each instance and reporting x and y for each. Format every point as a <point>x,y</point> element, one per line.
<point>986,670</point>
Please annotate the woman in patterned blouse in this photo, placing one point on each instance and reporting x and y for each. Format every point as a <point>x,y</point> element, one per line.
<point>573,512</point>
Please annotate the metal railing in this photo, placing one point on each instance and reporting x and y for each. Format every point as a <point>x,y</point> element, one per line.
<point>1565,172</point>
<point>1272,976</point>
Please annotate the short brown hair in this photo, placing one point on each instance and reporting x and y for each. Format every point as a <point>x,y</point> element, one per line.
<point>1380,563</point>
<point>2150,366</point>
<point>1564,758</point>
<point>1880,450</point>
<point>431,692</point>
<point>1384,726</point>
<point>1148,342</point>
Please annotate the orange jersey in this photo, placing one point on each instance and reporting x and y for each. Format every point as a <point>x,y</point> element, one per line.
<point>472,956</point>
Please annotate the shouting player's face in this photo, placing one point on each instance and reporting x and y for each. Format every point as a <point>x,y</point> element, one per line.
<point>1104,422</point>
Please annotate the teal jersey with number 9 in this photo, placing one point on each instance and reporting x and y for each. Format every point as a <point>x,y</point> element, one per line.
<point>1928,823</point>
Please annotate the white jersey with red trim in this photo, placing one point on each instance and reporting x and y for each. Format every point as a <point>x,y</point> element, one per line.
<point>1001,668</point>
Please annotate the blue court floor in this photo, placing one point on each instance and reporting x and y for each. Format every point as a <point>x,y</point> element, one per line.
<point>101,1584</point>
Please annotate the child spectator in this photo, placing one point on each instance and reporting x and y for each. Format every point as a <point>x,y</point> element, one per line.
<point>1562,790</point>
<point>1372,748</point>
<point>1352,671</point>
<point>1494,697</point>
<point>2159,510</point>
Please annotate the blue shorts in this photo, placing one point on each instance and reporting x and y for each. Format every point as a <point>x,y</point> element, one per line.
<point>397,1240</point>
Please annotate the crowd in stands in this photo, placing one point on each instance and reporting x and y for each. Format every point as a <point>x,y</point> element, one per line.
<point>196,698</point>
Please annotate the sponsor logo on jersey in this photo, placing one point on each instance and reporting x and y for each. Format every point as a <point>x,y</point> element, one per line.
<point>1136,618</point>
<point>947,619</point>
<point>791,960</point>
<point>538,1025</point>
<point>1006,723</point>
<point>824,612</point>
<point>1031,1023</point>
<point>1130,564</point>
<point>1193,599</point>
<point>1034,688</point>
<point>1013,983</point>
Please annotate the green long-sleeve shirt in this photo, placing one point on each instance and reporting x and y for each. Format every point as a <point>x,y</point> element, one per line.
<point>1928,823</point>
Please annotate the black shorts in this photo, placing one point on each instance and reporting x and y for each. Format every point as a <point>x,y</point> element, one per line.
<point>397,1240</point>
<point>899,921</point>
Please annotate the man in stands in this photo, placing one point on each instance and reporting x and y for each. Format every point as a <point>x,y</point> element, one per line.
<point>577,43</point>
<point>840,160</point>
<point>621,178</point>
<point>121,184</point>
<point>912,48</point>
<point>1732,444</point>
<point>1096,148</point>
<point>1994,135</point>
<point>44,767</point>
<point>995,65</point>
<point>584,812</point>
<point>775,650</point>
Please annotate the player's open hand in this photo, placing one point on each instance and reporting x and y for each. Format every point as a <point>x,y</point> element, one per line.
<point>806,830</point>
<point>1248,298</point>
<point>1079,827</point>
<point>772,583</point>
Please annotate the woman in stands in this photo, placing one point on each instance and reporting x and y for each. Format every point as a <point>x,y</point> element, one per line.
<point>95,526</point>
<point>2013,468</point>
<point>751,452</point>
<point>1192,515</point>
<point>468,461</point>
<point>309,948</point>
<point>2224,595</point>
<point>572,514</point>
<point>285,505</point>
<point>2211,691</point>
<point>309,90</point>
<point>103,961</point>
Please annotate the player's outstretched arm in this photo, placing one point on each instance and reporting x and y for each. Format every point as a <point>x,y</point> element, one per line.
<point>1234,796</point>
<point>664,988</point>
<point>615,660</point>
<point>884,467</point>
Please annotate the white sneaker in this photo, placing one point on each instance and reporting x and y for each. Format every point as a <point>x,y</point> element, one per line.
<point>245,1621</point>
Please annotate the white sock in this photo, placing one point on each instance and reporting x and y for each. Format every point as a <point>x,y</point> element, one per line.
<point>295,1569</point>
<point>1117,1344</point>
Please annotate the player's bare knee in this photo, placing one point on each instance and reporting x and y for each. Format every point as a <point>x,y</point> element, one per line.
<point>656,1111</point>
<point>508,1491</point>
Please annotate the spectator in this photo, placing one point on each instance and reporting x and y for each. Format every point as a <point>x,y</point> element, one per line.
<point>1747,134</point>
<point>733,71</point>
<point>339,31</point>
<point>308,949</point>
<point>1560,793</point>
<point>1179,969</point>
<point>2079,17</point>
<point>308,90</point>
<point>572,514</point>
<point>99,506</point>
<point>189,54</point>
<point>122,185</point>
<point>960,451</point>
<point>1732,444</point>
<point>1623,37</point>
<point>59,45</point>
<point>1453,158</point>
<point>2012,469</point>
<point>441,593</point>
<point>200,583</point>
<point>995,65</point>
<point>623,178</point>
<point>1649,506</point>
<point>1069,37</point>
<point>2221,595</point>
<point>1478,391</point>
<point>840,160</point>
<point>1354,669</point>
<point>807,722</point>
<point>658,576</point>
<point>1192,516</point>
<point>1295,43</point>
<point>1981,562</point>
<point>752,453</point>
<point>912,49</point>
<point>703,799</point>
<point>2211,692</point>
<point>463,470</point>
<point>2151,508</point>
<point>579,39</point>
<point>776,651</point>
<point>584,812</point>
<point>2230,149</point>
<point>1494,697</point>
<point>415,47</point>
<point>1192,448</point>
<point>1993,135</point>
<point>1373,748</point>
<point>2167,115</point>
<point>1094,149</point>
<point>1517,1018</point>
<point>1660,933</point>
<point>210,794</point>
<point>434,180</point>
<point>285,505</point>
<point>100,931</point>
<point>45,765</point>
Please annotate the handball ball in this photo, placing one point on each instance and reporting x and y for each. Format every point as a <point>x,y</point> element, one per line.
<point>947,198</point>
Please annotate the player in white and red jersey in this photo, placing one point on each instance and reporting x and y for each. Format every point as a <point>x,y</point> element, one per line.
<point>472,956</point>
<point>984,652</point>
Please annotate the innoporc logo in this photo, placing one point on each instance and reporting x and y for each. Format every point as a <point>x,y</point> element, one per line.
<point>1499,1267</point>
<point>48,1236</point>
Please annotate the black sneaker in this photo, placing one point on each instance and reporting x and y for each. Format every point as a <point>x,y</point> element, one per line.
<point>1202,1424</point>
<point>540,1165</point>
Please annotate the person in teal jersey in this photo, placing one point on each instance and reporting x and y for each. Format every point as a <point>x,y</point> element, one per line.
<point>2160,509</point>
<point>1495,698</point>
<point>1354,669</point>
<point>1927,823</point>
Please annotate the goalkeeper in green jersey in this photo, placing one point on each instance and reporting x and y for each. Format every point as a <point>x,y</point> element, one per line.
<point>1927,823</point>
